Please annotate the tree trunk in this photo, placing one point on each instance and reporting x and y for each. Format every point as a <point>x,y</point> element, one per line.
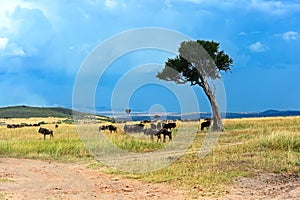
<point>217,120</point>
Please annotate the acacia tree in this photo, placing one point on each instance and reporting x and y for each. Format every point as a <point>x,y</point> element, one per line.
<point>197,63</point>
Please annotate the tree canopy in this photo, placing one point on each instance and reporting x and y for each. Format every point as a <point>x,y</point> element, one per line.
<point>196,59</point>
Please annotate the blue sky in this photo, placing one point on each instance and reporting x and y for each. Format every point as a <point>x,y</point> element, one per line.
<point>43,45</point>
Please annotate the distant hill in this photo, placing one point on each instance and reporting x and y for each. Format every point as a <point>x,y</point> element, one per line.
<point>28,111</point>
<point>267,113</point>
<point>203,115</point>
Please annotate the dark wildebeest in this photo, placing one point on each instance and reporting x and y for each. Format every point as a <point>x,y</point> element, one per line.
<point>56,125</point>
<point>46,132</point>
<point>10,126</point>
<point>206,123</point>
<point>159,125</point>
<point>135,128</point>
<point>165,132</point>
<point>111,128</point>
<point>153,126</point>
<point>102,128</point>
<point>169,125</point>
<point>151,132</point>
<point>14,126</point>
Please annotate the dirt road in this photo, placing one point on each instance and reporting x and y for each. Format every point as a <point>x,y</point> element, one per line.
<point>33,179</point>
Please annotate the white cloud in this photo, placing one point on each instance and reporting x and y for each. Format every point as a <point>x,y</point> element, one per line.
<point>257,47</point>
<point>271,7</point>
<point>15,50</point>
<point>9,48</point>
<point>110,3</point>
<point>3,43</point>
<point>290,35</point>
<point>24,29</point>
<point>274,7</point>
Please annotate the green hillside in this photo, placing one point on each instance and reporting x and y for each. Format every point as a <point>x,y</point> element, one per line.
<point>28,111</point>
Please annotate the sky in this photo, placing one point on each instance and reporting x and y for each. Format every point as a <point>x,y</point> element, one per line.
<point>43,45</point>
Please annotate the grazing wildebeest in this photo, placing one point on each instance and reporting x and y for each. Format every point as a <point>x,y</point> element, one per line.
<point>46,132</point>
<point>151,132</point>
<point>56,125</point>
<point>111,128</point>
<point>169,125</point>
<point>14,126</point>
<point>9,126</point>
<point>153,126</point>
<point>102,128</point>
<point>206,123</point>
<point>165,132</point>
<point>159,125</point>
<point>135,128</point>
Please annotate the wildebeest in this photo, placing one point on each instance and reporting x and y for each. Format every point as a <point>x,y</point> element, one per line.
<point>159,125</point>
<point>15,125</point>
<point>102,128</point>
<point>135,128</point>
<point>56,125</point>
<point>150,132</point>
<point>46,132</point>
<point>169,125</point>
<point>153,126</point>
<point>21,125</point>
<point>110,127</point>
<point>10,126</point>
<point>165,132</point>
<point>206,123</point>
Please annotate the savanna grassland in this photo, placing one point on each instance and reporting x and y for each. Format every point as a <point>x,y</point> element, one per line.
<point>246,148</point>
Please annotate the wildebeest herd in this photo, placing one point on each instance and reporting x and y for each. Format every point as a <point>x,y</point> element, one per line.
<point>21,125</point>
<point>158,129</point>
<point>41,130</point>
<point>153,129</point>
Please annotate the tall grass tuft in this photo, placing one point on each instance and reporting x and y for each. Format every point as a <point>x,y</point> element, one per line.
<point>279,140</point>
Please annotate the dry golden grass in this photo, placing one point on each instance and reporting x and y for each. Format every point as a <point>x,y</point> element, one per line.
<point>247,146</point>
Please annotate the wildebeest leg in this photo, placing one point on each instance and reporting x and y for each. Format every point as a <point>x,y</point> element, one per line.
<point>164,138</point>
<point>44,136</point>
<point>158,137</point>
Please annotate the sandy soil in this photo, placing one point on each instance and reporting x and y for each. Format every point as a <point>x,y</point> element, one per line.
<point>267,186</point>
<point>34,179</point>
